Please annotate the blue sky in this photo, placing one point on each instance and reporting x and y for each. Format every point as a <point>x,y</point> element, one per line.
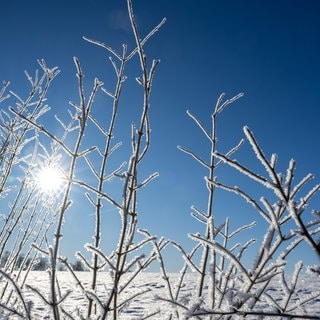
<point>266,49</point>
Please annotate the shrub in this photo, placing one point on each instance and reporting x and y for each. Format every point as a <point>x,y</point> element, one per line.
<point>32,228</point>
<point>78,266</point>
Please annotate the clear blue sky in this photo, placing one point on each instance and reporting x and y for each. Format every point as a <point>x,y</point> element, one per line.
<point>267,49</point>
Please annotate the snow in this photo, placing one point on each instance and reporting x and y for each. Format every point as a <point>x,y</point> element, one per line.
<point>150,293</point>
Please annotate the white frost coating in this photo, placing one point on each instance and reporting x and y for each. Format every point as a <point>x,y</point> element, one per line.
<point>258,152</point>
<point>289,248</point>
<point>304,201</point>
<point>222,95</point>
<point>200,125</point>
<point>226,253</point>
<point>290,173</point>
<point>268,238</point>
<point>242,169</point>
<point>260,156</point>
<point>219,108</point>
<point>297,188</point>
<point>267,205</point>
<point>273,160</point>
<point>244,227</point>
<point>297,270</point>
<point>210,225</point>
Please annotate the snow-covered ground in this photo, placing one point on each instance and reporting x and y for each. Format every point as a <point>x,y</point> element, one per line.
<point>149,302</point>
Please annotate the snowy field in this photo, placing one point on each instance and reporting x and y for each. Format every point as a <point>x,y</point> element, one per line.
<point>151,301</point>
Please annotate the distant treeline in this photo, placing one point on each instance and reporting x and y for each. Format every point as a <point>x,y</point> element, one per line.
<point>39,264</point>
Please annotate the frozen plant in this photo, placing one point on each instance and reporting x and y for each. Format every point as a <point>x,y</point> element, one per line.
<point>63,154</point>
<point>32,221</point>
<point>227,286</point>
<point>21,229</point>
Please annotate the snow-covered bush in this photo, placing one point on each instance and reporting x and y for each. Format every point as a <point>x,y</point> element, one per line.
<point>33,212</point>
<point>228,287</point>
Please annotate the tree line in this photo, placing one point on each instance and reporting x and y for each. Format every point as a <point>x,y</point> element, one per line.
<point>40,264</point>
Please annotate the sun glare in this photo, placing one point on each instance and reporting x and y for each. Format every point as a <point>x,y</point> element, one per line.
<point>49,179</point>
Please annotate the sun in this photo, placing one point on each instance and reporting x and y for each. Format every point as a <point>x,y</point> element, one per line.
<point>49,179</point>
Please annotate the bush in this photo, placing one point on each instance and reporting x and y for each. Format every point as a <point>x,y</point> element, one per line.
<point>41,264</point>
<point>78,266</point>
<point>33,224</point>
